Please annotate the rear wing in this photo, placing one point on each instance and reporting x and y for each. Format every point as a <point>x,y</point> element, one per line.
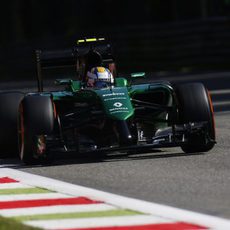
<point>72,57</point>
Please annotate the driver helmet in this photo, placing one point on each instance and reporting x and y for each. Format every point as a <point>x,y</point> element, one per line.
<point>99,77</point>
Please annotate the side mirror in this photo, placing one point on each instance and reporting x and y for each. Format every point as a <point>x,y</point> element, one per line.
<point>75,85</point>
<point>62,81</point>
<point>138,75</point>
<point>70,84</point>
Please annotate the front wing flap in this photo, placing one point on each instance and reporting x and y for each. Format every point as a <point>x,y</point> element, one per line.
<point>175,137</point>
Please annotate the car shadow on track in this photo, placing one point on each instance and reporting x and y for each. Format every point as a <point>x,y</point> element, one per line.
<point>70,159</point>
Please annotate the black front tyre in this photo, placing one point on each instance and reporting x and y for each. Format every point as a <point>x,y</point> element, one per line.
<point>195,105</point>
<point>36,121</point>
<point>9,104</point>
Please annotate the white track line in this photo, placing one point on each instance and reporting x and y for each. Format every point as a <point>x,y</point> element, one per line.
<point>221,103</point>
<point>97,222</point>
<point>34,196</point>
<point>56,209</point>
<point>120,201</point>
<point>220,91</point>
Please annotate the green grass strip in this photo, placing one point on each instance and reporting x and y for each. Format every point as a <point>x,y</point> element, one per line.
<point>10,224</point>
<point>17,191</point>
<point>77,215</point>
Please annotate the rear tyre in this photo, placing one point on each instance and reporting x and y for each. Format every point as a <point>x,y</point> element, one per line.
<point>36,121</point>
<point>195,105</point>
<point>9,104</point>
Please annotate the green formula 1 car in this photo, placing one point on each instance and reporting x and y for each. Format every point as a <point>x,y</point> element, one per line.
<point>122,117</point>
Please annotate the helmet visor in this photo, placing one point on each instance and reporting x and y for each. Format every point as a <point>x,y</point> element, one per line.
<point>102,84</point>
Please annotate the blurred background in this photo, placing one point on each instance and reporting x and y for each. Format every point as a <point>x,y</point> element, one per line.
<point>148,35</point>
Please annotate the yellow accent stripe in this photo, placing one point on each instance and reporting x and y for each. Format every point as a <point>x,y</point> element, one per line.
<point>90,40</point>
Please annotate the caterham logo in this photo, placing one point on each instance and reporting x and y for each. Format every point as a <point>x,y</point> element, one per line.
<point>117,104</point>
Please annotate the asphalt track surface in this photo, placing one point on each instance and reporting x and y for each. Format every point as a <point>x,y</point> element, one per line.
<point>198,182</point>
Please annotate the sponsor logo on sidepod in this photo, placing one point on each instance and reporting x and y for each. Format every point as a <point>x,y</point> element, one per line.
<point>117,104</point>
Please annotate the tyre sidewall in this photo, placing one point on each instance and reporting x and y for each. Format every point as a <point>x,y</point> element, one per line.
<point>36,119</point>
<point>194,105</point>
<point>9,104</point>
